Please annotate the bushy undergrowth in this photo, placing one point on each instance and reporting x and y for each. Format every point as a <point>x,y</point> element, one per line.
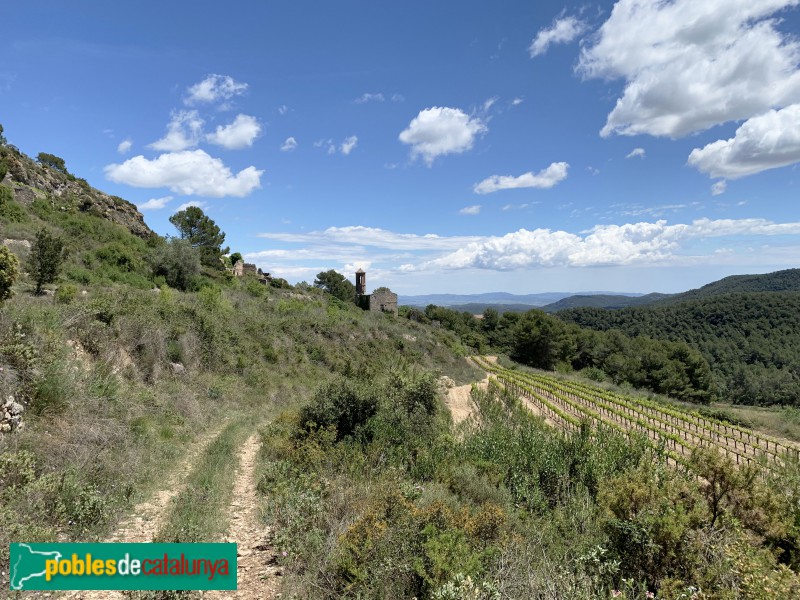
<point>117,381</point>
<point>506,507</point>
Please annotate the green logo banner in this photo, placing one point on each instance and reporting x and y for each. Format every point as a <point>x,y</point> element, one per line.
<point>123,566</point>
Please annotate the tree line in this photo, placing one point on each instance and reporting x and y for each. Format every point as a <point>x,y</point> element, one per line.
<point>539,340</point>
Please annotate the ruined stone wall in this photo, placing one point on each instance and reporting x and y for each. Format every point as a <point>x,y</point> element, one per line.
<point>383,302</point>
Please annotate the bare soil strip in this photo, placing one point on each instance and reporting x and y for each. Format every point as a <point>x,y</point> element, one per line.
<point>147,517</point>
<point>258,572</point>
<point>458,397</point>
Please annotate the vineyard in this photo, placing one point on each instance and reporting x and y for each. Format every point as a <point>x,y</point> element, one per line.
<point>567,404</point>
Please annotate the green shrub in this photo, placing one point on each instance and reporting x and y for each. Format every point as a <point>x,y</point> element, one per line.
<point>10,210</point>
<point>9,270</point>
<point>341,404</point>
<point>177,262</point>
<point>66,293</point>
<point>47,255</point>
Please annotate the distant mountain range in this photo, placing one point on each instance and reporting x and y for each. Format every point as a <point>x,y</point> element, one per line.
<point>521,301</point>
<point>779,281</point>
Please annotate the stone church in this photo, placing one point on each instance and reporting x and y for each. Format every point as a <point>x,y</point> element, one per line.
<point>381,300</point>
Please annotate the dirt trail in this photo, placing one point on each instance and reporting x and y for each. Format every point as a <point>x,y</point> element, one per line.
<point>147,517</point>
<point>458,397</point>
<point>258,572</point>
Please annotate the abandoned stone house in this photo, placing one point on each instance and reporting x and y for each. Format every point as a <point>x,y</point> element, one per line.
<point>241,268</point>
<point>381,300</point>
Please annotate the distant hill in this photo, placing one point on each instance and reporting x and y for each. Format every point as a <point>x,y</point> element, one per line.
<point>494,299</point>
<point>477,308</point>
<point>750,339</point>
<point>603,301</point>
<point>780,281</point>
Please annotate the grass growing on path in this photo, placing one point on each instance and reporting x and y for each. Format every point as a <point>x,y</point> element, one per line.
<point>197,514</point>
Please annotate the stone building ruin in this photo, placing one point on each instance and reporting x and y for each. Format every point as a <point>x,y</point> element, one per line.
<point>241,268</point>
<point>381,300</point>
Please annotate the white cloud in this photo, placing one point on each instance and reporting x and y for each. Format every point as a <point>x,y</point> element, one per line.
<point>438,131</point>
<point>690,65</point>
<point>768,141</point>
<point>719,187</point>
<point>348,145</point>
<point>639,243</point>
<point>184,131</point>
<point>516,206</point>
<point>124,146</point>
<point>241,133</point>
<point>289,145</point>
<point>636,153</point>
<point>214,88</point>
<point>191,172</point>
<point>603,245</point>
<point>364,98</point>
<point>544,179</point>
<point>282,109</point>
<point>155,203</point>
<point>198,204</point>
<point>374,237</point>
<point>398,98</point>
<point>563,31</point>
<point>517,101</point>
<point>470,210</point>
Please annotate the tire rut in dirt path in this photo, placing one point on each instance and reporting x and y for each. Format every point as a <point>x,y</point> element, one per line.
<point>148,516</point>
<point>258,572</point>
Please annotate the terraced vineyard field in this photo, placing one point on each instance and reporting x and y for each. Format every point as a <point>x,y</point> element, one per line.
<point>567,404</point>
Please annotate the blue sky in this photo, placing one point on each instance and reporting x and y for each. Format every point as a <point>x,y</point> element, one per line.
<point>638,145</point>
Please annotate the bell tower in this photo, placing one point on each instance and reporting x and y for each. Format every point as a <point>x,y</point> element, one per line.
<point>361,282</point>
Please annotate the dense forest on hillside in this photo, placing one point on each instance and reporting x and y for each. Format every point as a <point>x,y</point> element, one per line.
<point>787,280</point>
<point>539,340</point>
<point>750,340</point>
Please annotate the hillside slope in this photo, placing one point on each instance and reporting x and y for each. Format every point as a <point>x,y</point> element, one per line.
<point>29,181</point>
<point>751,340</point>
<point>787,280</point>
<point>603,301</point>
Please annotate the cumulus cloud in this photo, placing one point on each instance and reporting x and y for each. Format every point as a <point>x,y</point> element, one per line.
<point>544,179</point>
<point>636,153</point>
<point>124,146</point>
<point>241,133</point>
<point>764,142</point>
<point>289,145</point>
<point>690,65</point>
<point>719,187</point>
<point>364,98</point>
<point>348,145</point>
<point>154,203</point>
<point>438,131</point>
<point>197,203</point>
<point>214,88</point>
<point>184,130</point>
<point>604,245</point>
<point>563,31</point>
<point>470,210</point>
<point>191,172</point>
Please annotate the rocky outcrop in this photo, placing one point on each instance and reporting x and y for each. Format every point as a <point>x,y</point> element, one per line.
<point>30,181</point>
<point>11,415</point>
